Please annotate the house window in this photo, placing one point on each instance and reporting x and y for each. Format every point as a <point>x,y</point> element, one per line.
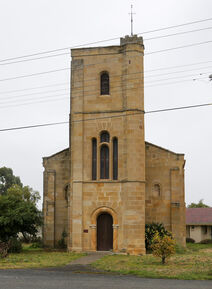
<point>94,157</point>
<point>104,137</point>
<point>104,162</point>
<point>105,84</point>
<point>115,158</point>
<point>204,229</point>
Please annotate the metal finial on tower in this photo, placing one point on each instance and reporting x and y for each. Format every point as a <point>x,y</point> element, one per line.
<point>131,13</point>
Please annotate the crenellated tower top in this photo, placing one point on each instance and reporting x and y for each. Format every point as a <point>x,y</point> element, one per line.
<point>134,39</point>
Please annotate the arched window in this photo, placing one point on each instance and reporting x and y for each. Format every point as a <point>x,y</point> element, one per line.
<point>105,83</point>
<point>104,162</point>
<point>115,158</point>
<point>104,137</point>
<point>94,156</point>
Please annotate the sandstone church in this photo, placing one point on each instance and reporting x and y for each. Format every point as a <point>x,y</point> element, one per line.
<point>109,182</point>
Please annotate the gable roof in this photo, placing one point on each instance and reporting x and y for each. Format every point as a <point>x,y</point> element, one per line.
<point>199,216</point>
<point>60,152</point>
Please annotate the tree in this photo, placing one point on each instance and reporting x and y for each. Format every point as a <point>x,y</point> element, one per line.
<point>150,231</point>
<point>163,246</point>
<point>7,179</point>
<point>18,213</point>
<point>198,205</point>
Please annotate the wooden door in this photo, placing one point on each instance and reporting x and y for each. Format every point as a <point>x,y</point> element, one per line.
<point>104,232</point>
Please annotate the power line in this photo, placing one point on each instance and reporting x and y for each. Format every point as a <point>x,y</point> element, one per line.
<point>179,108</point>
<point>178,66</point>
<point>176,34</point>
<point>146,71</point>
<point>63,69</point>
<point>34,74</point>
<point>100,41</point>
<point>42,97</point>
<point>87,91</point>
<point>174,82</point>
<point>113,116</point>
<point>176,77</point>
<point>175,26</point>
<point>153,52</point>
<point>179,47</point>
<point>37,58</point>
<point>68,53</point>
<point>34,87</point>
<point>36,102</point>
<point>33,126</point>
<point>181,71</point>
<point>34,93</point>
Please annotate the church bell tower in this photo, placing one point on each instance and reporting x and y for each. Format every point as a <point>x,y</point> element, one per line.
<point>107,148</point>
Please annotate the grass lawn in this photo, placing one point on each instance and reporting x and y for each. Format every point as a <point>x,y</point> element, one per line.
<point>195,263</point>
<point>37,258</point>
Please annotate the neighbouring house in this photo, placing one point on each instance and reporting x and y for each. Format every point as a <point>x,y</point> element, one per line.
<point>199,223</point>
<point>110,182</point>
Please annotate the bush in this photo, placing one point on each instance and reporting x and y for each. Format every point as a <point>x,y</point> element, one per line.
<point>151,230</point>
<point>190,240</point>
<point>62,242</point>
<point>206,241</point>
<point>163,246</point>
<point>15,246</point>
<point>37,242</point>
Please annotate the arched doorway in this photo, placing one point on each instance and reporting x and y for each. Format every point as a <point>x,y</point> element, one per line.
<point>104,232</point>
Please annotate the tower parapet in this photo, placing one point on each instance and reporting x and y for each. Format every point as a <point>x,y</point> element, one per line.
<point>134,39</point>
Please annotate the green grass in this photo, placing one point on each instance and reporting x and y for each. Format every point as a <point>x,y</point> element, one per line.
<point>194,263</point>
<point>37,258</point>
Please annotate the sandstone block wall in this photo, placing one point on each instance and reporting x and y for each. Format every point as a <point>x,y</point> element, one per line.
<point>56,197</point>
<point>166,205</point>
<point>121,114</point>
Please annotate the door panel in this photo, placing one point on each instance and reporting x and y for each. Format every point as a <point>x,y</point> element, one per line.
<point>104,232</point>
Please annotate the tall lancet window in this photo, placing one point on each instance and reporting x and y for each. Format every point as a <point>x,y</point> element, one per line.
<point>105,83</point>
<point>115,158</point>
<point>94,158</point>
<point>104,162</point>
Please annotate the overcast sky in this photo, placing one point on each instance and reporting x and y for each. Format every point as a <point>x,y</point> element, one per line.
<point>33,26</point>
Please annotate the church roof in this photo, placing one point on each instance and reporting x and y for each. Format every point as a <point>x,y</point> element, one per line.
<point>199,216</point>
<point>151,144</point>
<point>60,152</point>
<point>147,144</point>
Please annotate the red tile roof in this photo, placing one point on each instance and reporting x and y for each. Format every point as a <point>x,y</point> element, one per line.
<point>199,216</point>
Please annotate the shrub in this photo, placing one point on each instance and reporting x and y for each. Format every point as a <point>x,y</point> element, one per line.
<point>37,242</point>
<point>62,242</point>
<point>163,246</point>
<point>206,241</point>
<point>190,240</point>
<point>151,230</point>
<point>15,246</point>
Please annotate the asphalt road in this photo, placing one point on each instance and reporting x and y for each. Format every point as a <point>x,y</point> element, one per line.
<point>64,279</point>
